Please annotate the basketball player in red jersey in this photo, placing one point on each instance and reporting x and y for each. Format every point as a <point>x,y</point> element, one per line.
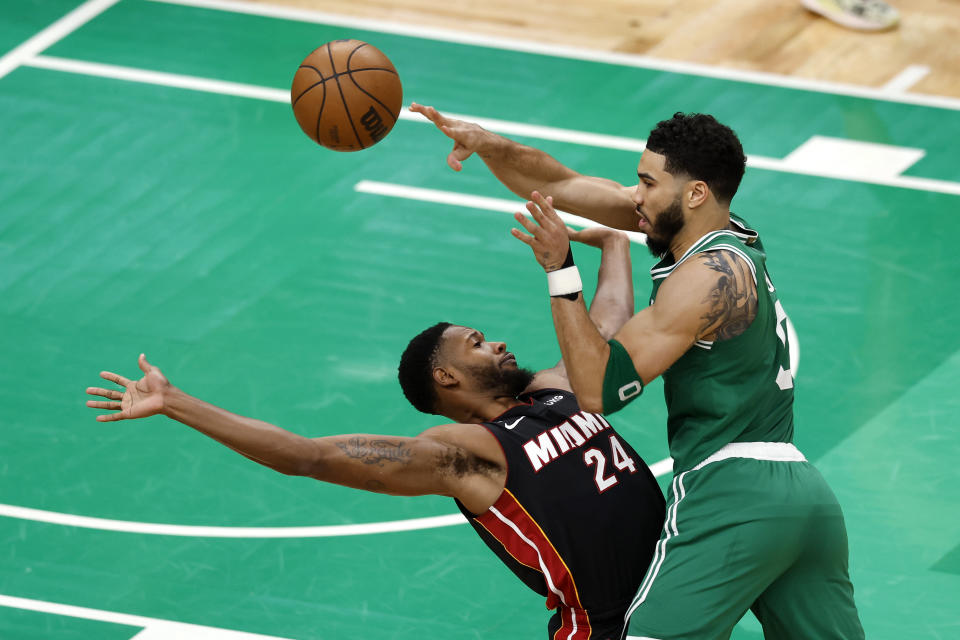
<point>554,491</point>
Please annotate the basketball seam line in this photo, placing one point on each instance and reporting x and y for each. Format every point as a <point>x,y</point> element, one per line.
<point>343,99</point>
<point>373,97</point>
<point>364,91</point>
<point>337,75</point>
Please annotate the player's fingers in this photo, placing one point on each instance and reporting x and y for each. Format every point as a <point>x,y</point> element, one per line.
<point>527,223</point>
<point>113,377</point>
<point>535,211</point>
<point>113,394</point>
<point>543,210</point>
<point>546,207</point>
<point>429,113</point>
<point>448,131</point>
<point>457,156</point>
<point>102,404</point>
<point>110,417</point>
<point>143,364</point>
<point>453,163</point>
<point>461,152</point>
<point>522,237</point>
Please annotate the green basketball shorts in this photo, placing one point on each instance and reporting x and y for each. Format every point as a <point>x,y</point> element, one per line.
<point>754,526</point>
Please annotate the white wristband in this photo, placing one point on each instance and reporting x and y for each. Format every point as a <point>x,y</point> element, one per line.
<point>564,281</point>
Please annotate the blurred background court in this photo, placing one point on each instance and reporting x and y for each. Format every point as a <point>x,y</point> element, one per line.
<point>157,196</point>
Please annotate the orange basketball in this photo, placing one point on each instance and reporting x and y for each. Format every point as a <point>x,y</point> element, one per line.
<point>346,95</point>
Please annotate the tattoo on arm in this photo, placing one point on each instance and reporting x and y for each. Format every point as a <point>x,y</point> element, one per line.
<point>733,300</point>
<point>376,452</point>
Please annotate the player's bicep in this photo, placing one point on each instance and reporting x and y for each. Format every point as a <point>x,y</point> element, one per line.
<point>705,297</point>
<point>655,338</point>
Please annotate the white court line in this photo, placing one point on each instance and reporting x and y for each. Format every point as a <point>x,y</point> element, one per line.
<point>662,468</point>
<point>130,74</point>
<point>153,628</point>
<point>151,528</point>
<point>53,33</point>
<point>906,78</point>
<point>500,126</point>
<point>541,132</point>
<point>485,203</point>
<point>576,53</point>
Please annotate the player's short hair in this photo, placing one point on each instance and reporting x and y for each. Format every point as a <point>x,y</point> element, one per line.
<point>698,146</point>
<point>416,368</point>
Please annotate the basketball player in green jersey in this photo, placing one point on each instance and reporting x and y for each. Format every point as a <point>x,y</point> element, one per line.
<point>750,523</point>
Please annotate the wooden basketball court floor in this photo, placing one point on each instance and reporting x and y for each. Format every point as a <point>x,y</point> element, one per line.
<point>157,196</point>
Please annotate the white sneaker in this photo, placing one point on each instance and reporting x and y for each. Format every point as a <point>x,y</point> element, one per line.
<point>865,15</point>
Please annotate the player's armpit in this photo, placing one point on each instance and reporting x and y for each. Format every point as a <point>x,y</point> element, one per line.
<point>475,468</point>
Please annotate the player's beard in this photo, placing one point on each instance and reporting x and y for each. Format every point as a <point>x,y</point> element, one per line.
<point>503,381</point>
<point>662,232</point>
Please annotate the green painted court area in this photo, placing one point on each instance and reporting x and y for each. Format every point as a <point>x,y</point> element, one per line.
<point>208,232</point>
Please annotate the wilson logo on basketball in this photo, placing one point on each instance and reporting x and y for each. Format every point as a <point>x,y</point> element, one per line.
<point>373,123</point>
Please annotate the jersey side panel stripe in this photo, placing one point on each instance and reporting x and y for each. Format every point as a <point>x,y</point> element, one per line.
<point>523,538</point>
<point>521,553</point>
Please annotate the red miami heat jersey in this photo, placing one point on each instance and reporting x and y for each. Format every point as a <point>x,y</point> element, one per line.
<point>579,516</point>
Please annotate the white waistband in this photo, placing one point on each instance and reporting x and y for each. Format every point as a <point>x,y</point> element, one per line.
<point>776,451</point>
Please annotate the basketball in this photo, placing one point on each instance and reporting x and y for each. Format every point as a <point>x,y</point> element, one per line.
<point>346,95</point>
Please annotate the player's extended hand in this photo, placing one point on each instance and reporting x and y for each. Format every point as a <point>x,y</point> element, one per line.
<point>466,136</point>
<point>139,399</point>
<point>548,235</point>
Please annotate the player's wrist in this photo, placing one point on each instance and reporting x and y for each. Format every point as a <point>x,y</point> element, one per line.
<point>173,401</point>
<point>565,281</point>
<point>493,147</point>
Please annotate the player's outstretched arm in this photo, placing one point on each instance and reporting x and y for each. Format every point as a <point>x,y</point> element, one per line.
<point>523,169</point>
<point>444,461</point>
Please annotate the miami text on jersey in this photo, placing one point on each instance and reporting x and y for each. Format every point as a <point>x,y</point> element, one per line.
<point>556,441</point>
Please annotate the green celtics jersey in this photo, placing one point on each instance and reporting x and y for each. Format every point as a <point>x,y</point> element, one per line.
<point>734,390</point>
<point>740,228</point>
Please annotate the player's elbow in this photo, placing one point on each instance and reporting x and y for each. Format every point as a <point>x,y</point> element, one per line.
<point>308,460</point>
<point>590,402</point>
<point>615,315</point>
<point>298,466</point>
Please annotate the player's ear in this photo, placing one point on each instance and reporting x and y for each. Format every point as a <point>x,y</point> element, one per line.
<point>696,193</point>
<point>445,377</point>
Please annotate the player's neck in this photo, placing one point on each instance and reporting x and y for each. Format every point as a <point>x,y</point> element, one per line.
<point>476,409</point>
<point>698,225</point>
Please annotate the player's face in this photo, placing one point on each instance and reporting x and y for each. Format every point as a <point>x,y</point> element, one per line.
<point>490,367</point>
<point>659,212</point>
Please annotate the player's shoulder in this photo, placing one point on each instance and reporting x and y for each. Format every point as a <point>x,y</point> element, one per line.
<point>472,438</point>
<point>712,263</point>
<point>706,278</point>
<point>455,431</point>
